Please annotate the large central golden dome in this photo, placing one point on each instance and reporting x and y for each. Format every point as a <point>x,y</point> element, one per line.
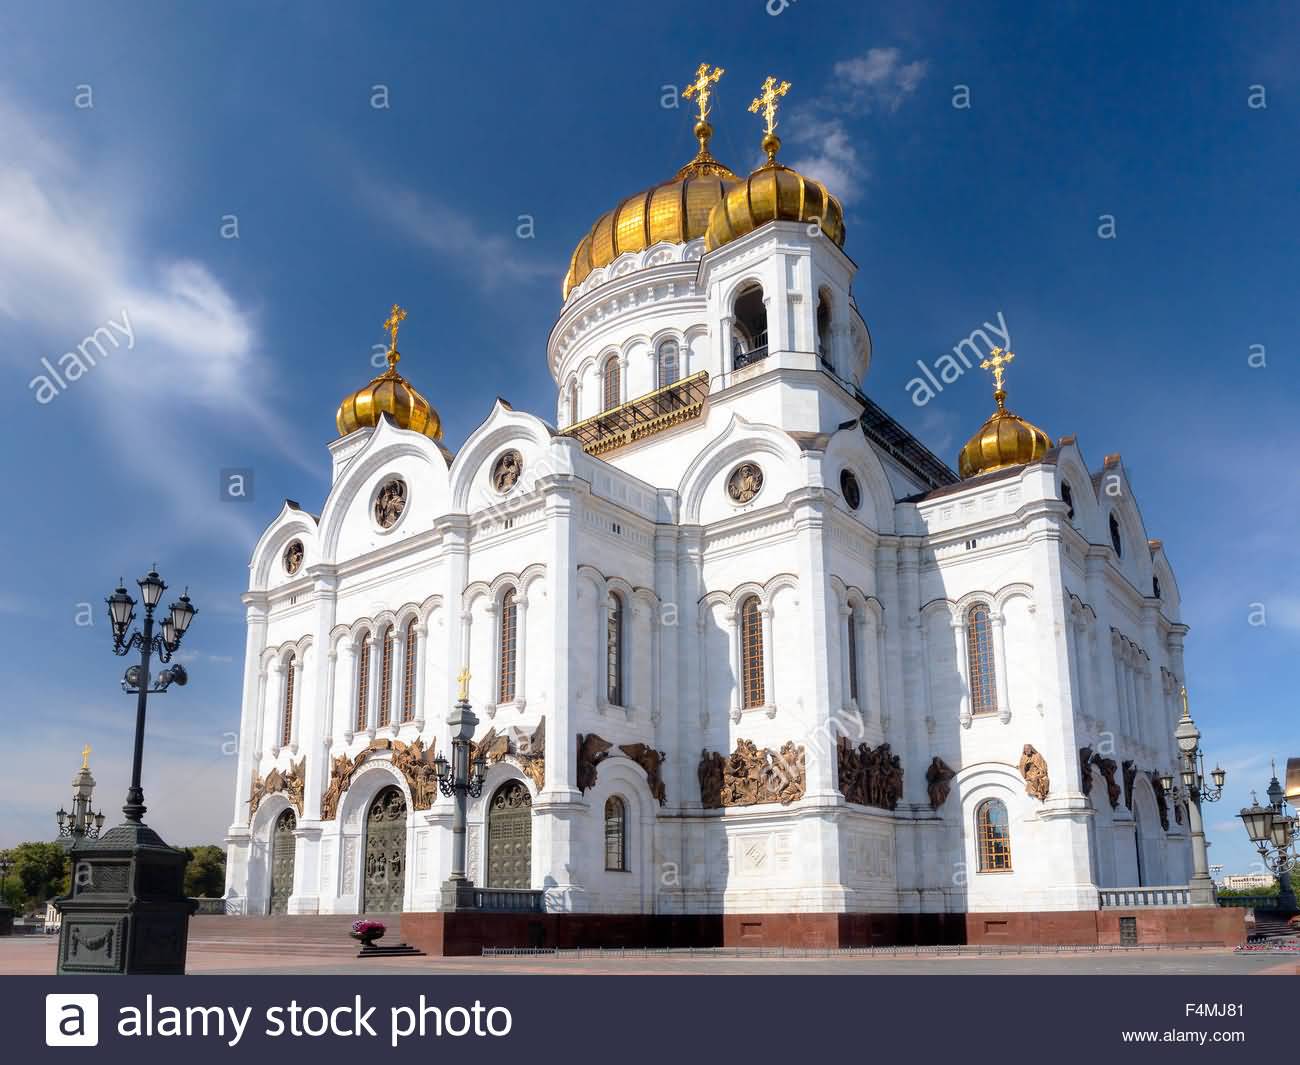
<point>675,211</point>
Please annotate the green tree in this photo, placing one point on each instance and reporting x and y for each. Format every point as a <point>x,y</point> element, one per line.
<point>40,872</point>
<point>205,873</point>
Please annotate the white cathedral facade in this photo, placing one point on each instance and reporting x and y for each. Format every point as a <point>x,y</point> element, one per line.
<point>737,642</point>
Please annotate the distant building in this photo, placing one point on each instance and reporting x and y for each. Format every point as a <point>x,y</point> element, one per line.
<point>1248,881</point>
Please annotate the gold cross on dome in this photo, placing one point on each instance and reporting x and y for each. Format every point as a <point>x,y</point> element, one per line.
<point>700,87</point>
<point>394,320</point>
<point>85,757</point>
<point>766,101</point>
<point>997,362</point>
<point>463,677</point>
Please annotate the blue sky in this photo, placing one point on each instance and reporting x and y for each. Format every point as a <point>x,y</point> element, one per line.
<point>242,347</point>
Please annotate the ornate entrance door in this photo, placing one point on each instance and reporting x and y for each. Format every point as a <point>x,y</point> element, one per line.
<point>282,848</point>
<point>385,853</point>
<point>510,837</point>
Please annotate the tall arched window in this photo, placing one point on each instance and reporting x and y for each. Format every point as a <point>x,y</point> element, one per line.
<point>614,651</point>
<point>979,657</point>
<point>409,666</point>
<point>1116,540</point>
<point>824,328</point>
<point>667,364</point>
<point>749,327</point>
<point>751,653</point>
<point>363,679</point>
<point>993,835</point>
<point>386,678</point>
<point>852,638</point>
<point>509,653</point>
<point>615,835</point>
<point>286,716</point>
<point>611,387</point>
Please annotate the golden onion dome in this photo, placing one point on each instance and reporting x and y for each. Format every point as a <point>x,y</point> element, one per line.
<point>389,393</point>
<point>675,211</point>
<point>1005,439</point>
<point>774,193</point>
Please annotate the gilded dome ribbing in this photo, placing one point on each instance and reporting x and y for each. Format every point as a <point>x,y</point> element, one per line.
<point>1005,439</point>
<point>389,393</point>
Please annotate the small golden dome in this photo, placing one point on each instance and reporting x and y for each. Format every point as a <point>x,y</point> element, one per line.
<point>774,193</point>
<point>1003,440</point>
<point>389,393</point>
<point>675,211</point>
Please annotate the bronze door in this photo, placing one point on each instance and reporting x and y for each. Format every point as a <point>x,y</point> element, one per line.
<point>282,848</point>
<point>510,837</point>
<point>385,853</point>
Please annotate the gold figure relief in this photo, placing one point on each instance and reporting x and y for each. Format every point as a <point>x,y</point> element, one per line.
<point>390,502</point>
<point>751,775</point>
<point>745,482</point>
<point>293,556</point>
<point>292,782</point>
<point>507,470</point>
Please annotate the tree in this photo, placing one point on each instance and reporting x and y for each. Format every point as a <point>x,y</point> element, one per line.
<point>205,873</point>
<point>40,872</point>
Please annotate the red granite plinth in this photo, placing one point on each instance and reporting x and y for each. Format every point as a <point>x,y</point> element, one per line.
<point>1090,928</point>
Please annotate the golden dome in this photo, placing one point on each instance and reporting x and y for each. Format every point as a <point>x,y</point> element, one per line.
<point>675,211</point>
<point>389,393</point>
<point>1003,440</point>
<point>774,193</point>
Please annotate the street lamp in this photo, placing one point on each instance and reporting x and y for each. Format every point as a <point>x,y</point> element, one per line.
<point>1193,790</point>
<point>1274,832</point>
<point>84,822</point>
<point>458,778</point>
<point>128,880</point>
<point>6,913</point>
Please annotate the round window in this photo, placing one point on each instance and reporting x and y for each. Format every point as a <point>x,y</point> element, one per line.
<point>850,489</point>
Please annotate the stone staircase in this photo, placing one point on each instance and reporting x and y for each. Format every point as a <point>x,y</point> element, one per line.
<point>286,936</point>
<point>1271,926</point>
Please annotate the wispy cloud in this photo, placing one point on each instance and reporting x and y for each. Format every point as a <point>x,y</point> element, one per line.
<point>72,261</point>
<point>879,80</point>
<point>494,259</point>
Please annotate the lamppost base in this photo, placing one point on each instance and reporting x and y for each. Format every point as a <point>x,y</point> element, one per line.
<point>458,896</point>
<point>128,912</point>
<point>6,921</point>
<point>1200,892</point>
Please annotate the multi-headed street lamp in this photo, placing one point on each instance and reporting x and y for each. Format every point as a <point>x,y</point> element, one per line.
<point>464,781</point>
<point>1274,833</point>
<point>128,912</point>
<point>1192,790</point>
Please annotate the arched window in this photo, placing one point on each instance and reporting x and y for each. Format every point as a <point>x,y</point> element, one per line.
<point>363,679</point>
<point>615,835</point>
<point>824,328</point>
<point>1116,541</point>
<point>614,651</point>
<point>509,653</point>
<point>979,656</point>
<point>1067,495</point>
<point>611,386</point>
<point>667,364</point>
<point>1155,587</point>
<point>409,666</point>
<point>751,653</point>
<point>993,835</point>
<point>749,327</point>
<point>286,717</point>
<point>852,637</point>
<point>573,402</point>
<point>386,677</point>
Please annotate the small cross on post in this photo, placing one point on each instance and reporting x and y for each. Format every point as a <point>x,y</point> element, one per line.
<point>997,362</point>
<point>463,678</point>
<point>699,88</point>
<point>766,101</point>
<point>85,757</point>
<point>392,323</point>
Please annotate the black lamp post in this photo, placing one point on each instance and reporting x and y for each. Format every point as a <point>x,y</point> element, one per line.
<point>128,912</point>
<point>6,912</point>
<point>464,781</point>
<point>1193,789</point>
<point>1275,834</point>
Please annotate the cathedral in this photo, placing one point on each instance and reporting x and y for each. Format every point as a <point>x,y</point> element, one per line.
<point>739,644</point>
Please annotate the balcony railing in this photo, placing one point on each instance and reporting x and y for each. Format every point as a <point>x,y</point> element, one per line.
<point>644,416</point>
<point>742,355</point>
<point>1132,897</point>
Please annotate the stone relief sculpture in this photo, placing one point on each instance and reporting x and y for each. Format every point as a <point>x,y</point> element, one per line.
<point>650,761</point>
<point>521,748</point>
<point>1085,769</point>
<point>414,761</point>
<point>1108,768</point>
<point>1130,775</point>
<point>1033,767</point>
<point>750,775</point>
<point>390,502</point>
<point>938,779</point>
<point>292,782</point>
<point>592,750</point>
<point>869,777</point>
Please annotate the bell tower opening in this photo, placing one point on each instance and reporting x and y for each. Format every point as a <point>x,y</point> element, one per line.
<point>748,327</point>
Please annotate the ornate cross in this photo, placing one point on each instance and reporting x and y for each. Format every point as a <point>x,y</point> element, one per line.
<point>700,87</point>
<point>85,757</point>
<point>463,677</point>
<point>766,101</point>
<point>997,362</point>
<point>394,320</point>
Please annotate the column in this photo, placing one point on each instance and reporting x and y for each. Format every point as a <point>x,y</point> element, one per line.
<point>847,622</point>
<point>372,695</point>
<point>809,507</point>
<point>733,651</point>
<point>274,706</point>
<point>665,708</point>
<point>300,703</point>
<point>869,640</point>
<point>397,640</point>
<point>963,671</point>
<point>494,656</point>
<point>348,704</point>
<point>769,671</point>
<point>521,649</point>
<point>249,744</point>
<point>421,631</point>
<point>998,622</point>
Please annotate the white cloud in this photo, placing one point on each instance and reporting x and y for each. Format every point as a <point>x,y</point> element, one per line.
<point>831,153</point>
<point>492,259</point>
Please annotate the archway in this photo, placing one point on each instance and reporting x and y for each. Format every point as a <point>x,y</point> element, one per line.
<point>282,853</point>
<point>385,876</point>
<point>510,837</point>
